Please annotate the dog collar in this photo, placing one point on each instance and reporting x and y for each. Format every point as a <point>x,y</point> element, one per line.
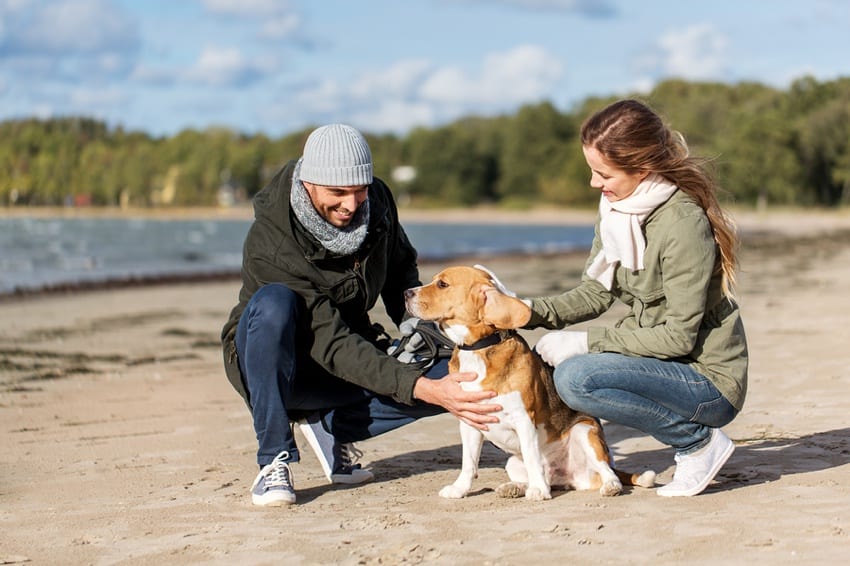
<point>486,341</point>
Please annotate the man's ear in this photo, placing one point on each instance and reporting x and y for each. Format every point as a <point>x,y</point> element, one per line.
<point>502,311</point>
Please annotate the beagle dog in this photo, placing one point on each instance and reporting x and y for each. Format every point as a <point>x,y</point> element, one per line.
<point>550,444</point>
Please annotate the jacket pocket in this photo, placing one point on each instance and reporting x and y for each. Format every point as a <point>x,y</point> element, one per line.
<point>344,290</point>
<point>650,309</point>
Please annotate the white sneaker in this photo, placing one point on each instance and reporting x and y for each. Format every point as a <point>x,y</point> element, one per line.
<point>695,471</point>
<point>339,461</point>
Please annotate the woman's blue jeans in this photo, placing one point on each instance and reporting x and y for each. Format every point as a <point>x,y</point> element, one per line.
<point>666,399</point>
<point>285,384</point>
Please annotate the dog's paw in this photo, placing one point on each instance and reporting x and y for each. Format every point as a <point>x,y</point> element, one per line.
<point>611,488</point>
<point>511,490</point>
<point>646,479</point>
<point>538,494</point>
<point>453,492</point>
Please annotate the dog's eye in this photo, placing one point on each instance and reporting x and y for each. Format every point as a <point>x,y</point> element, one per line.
<point>442,284</point>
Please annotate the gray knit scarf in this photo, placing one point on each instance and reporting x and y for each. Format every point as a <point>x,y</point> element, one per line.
<point>342,241</point>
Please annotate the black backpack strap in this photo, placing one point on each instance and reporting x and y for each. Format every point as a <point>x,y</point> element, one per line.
<point>434,347</point>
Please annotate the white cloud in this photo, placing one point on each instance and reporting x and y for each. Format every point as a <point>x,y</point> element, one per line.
<point>220,66</point>
<point>319,98</point>
<point>642,85</point>
<point>415,92</point>
<point>94,100</point>
<point>152,76</point>
<point>276,19</point>
<point>697,52</point>
<point>523,74</point>
<point>395,116</point>
<point>281,26</point>
<point>71,27</point>
<point>400,80</point>
<point>591,8</point>
<point>246,8</point>
<point>90,40</point>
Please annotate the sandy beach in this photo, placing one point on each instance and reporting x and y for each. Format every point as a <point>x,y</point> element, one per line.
<point>123,442</point>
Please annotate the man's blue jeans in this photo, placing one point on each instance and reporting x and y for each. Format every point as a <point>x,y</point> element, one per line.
<point>285,384</point>
<point>666,399</point>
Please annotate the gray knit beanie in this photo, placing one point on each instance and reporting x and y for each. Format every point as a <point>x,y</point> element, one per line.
<point>336,155</point>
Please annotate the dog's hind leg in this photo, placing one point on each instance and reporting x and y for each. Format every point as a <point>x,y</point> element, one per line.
<point>588,444</point>
<point>518,475</point>
<point>515,468</point>
<point>472,441</point>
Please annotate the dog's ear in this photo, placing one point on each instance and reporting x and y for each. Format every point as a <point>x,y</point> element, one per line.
<point>502,311</point>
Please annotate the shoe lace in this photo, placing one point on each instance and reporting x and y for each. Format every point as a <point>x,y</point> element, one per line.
<point>348,456</point>
<point>279,474</point>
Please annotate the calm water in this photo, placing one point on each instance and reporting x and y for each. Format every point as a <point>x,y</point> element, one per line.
<point>36,253</point>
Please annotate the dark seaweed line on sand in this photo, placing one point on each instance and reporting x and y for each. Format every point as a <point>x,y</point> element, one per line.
<point>216,276</point>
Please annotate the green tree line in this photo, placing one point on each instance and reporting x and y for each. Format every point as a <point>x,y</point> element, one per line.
<point>767,147</point>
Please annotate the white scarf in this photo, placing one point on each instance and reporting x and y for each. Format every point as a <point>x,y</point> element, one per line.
<point>620,228</point>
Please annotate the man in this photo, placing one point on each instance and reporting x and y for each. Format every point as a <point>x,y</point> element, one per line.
<point>300,347</point>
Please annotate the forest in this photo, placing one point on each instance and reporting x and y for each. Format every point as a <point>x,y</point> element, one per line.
<point>767,147</point>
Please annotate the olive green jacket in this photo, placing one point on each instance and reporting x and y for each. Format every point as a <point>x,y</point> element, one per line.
<point>678,310</point>
<point>338,291</point>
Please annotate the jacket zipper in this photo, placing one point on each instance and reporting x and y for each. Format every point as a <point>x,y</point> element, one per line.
<point>358,273</point>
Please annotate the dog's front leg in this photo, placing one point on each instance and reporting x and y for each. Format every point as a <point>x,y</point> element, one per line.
<point>538,488</point>
<point>472,440</point>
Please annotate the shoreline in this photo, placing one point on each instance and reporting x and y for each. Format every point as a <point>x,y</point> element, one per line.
<point>777,217</point>
<point>763,231</point>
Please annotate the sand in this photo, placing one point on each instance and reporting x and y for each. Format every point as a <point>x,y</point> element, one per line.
<point>123,443</point>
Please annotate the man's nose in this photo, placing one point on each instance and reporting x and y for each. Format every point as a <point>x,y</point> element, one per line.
<point>350,202</point>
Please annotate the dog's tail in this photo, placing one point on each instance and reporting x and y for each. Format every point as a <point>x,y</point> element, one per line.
<point>646,479</point>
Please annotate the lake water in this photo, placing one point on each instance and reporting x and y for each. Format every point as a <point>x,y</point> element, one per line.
<point>45,253</point>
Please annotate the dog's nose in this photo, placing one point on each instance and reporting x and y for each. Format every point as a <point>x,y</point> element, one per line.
<point>408,293</point>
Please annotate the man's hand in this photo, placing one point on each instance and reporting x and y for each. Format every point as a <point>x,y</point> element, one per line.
<point>465,405</point>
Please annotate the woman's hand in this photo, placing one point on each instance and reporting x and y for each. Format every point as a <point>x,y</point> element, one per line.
<point>555,347</point>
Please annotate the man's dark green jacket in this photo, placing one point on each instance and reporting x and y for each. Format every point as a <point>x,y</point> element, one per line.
<point>337,291</point>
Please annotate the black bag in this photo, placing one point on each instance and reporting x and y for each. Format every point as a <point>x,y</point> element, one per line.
<point>422,343</point>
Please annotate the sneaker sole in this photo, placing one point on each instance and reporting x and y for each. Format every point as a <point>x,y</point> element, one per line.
<point>360,476</point>
<point>276,501</point>
<point>699,488</point>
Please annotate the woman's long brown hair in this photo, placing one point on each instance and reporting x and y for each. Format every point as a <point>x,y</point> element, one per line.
<point>632,137</point>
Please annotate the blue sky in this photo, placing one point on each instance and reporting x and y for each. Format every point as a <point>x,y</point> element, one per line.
<point>276,66</point>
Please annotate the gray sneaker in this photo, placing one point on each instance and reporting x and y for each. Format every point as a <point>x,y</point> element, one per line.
<point>273,486</point>
<point>339,461</point>
<point>346,469</point>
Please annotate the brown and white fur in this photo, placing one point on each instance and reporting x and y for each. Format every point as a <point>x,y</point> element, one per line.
<point>550,444</point>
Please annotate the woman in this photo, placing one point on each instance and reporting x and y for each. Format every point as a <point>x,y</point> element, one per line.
<point>676,366</point>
